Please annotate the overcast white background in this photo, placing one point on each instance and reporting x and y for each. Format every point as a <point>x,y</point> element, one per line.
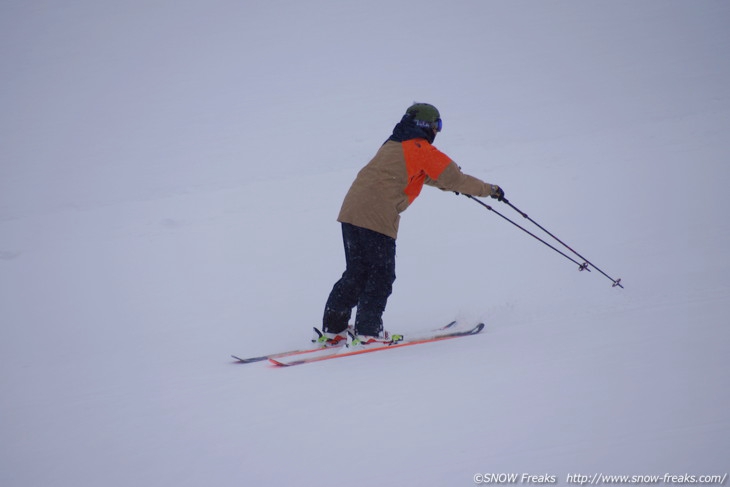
<point>170,175</point>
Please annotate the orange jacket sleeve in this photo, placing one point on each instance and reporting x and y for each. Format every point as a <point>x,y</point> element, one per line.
<point>422,160</point>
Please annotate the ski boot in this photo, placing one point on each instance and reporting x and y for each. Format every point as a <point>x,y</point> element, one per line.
<point>361,341</point>
<point>330,340</point>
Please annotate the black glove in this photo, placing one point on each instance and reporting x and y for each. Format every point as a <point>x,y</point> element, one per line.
<point>497,193</point>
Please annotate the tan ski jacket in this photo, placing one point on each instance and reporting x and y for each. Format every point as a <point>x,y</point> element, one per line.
<point>390,182</point>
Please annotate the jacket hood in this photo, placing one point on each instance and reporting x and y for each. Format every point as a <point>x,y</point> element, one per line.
<point>406,129</point>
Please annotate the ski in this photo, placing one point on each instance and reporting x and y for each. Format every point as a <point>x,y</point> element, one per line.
<point>301,351</point>
<point>340,352</point>
<point>262,358</point>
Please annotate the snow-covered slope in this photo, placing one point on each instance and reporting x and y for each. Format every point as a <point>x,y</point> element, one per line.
<point>170,173</point>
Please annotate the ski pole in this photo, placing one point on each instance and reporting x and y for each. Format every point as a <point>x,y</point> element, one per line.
<point>581,267</point>
<point>616,282</point>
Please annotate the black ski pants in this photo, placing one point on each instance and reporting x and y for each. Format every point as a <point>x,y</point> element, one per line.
<point>366,283</point>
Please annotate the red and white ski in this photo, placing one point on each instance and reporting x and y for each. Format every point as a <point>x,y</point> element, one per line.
<point>303,351</point>
<point>329,354</point>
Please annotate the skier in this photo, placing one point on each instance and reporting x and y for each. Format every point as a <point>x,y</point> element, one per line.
<point>370,214</point>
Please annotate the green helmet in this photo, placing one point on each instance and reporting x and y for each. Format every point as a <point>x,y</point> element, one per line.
<point>425,115</point>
